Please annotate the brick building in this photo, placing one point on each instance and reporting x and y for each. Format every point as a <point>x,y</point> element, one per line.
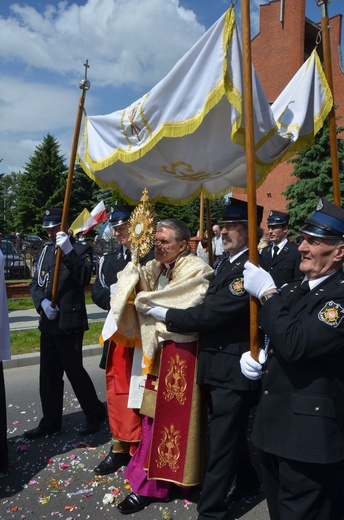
<point>284,42</point>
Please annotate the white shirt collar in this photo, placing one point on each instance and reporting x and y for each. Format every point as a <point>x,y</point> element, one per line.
<point>234,257</point>
<point>281,244</point>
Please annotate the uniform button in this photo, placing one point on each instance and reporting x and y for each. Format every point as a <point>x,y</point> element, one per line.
<point>271,351</point>
<point>317,408</point>
<point>220,348</point>
<point>266,392</point>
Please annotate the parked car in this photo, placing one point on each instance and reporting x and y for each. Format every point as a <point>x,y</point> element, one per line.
<point>32,242</point>
<point>15,263</point>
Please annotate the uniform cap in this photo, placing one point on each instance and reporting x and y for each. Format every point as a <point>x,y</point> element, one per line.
<point>120,214</point>
<point>278,218</point>
<point>326,222</point>
<point>52,217</point>
<point>237,211</point>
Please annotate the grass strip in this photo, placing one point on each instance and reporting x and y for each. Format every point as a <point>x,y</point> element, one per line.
<point>27,341</point>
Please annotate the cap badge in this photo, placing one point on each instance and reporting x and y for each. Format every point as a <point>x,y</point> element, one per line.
<point>47,212</point>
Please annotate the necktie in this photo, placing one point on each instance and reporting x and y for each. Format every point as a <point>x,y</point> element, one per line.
<point>276,249</point>
<point>126,254</point>
<point>300,292</point>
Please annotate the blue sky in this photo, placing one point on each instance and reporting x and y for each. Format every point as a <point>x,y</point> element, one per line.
<point>130,45</point>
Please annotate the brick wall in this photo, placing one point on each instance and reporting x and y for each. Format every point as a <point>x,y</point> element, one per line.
<point>278,51</point>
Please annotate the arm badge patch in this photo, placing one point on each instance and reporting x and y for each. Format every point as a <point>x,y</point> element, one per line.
<point>332,314</point>
<point>236,287</point>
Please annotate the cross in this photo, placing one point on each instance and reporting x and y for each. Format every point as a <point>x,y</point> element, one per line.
<point>86,65</point>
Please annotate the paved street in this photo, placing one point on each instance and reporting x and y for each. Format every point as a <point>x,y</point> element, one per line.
<point>53,477</point>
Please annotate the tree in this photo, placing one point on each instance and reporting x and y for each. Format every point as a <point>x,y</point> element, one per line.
<point>41,185</point>
<point>84,194</point>
<point>314,178</point>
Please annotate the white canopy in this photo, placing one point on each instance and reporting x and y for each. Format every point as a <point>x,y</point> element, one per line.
<point>186,135</point>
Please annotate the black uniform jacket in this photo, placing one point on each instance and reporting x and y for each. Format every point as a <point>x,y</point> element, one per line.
<point>110,265</point>
<point>283,267</point>
<point>223,323</point>
<point>75,274</point>
<point>301,412</point>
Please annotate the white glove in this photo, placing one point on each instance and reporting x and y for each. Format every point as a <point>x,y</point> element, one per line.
<point>251,368</point>
<point>63,242</point>
<point>50,312</point>
<point>159,313</point>
<point>257,281</point>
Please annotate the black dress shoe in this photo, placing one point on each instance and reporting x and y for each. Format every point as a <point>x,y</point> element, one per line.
<point>92,427</point>
<point>112,462</point>
<point>133,503</point>
<point>39,432</point>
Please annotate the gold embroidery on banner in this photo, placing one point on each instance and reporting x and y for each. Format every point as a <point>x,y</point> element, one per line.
<point>168,449</point>
<point>183,170</point>
<point>175,380</point>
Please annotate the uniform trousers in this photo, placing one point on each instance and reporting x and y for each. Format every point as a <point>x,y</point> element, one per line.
<point>229,412</point>
<point>59,354</point>
<point>303,491</point>
<point>3,424</point>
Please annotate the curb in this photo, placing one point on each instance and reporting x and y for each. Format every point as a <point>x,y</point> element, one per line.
<point>25,360</point>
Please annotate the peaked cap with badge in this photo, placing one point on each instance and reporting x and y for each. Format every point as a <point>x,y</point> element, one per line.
<point>120,214</point>
<point>236,210</point>
<point>277,218</point>
<point>52,217</point>
<point>326,222</point>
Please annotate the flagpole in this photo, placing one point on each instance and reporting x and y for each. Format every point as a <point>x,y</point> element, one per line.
<point>331,117</point>
<point>84,85</point>
<point>250,166</point>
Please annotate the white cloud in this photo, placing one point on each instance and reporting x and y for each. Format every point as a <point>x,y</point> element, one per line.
<point>129,43</point>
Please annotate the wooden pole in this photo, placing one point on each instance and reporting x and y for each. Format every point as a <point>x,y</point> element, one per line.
<point>84,86</point>
<point>332,116</point>
<point>201,215</point>
<point>210,233</point>
<point>250,166</point>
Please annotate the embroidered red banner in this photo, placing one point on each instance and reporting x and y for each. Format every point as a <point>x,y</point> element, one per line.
<point>173,410</point>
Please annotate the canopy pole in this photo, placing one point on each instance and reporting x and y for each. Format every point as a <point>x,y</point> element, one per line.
<point>210,233</point>
<point>84,85</point>
<point>331,116</point>
<point>201,215</point>
<point>250,166</point>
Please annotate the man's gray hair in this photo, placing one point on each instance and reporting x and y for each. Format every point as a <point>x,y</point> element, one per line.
<point>181,230</point>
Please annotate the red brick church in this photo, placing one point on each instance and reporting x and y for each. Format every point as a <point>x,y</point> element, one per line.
<point>285,40</point>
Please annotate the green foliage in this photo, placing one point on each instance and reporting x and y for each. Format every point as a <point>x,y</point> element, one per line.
<point>84,194</point>
<point>41,185</point>
<point>313,171</point>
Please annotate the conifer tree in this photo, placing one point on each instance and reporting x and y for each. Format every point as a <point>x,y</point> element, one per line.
<point>41,185</point>
<point>313,171</point>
